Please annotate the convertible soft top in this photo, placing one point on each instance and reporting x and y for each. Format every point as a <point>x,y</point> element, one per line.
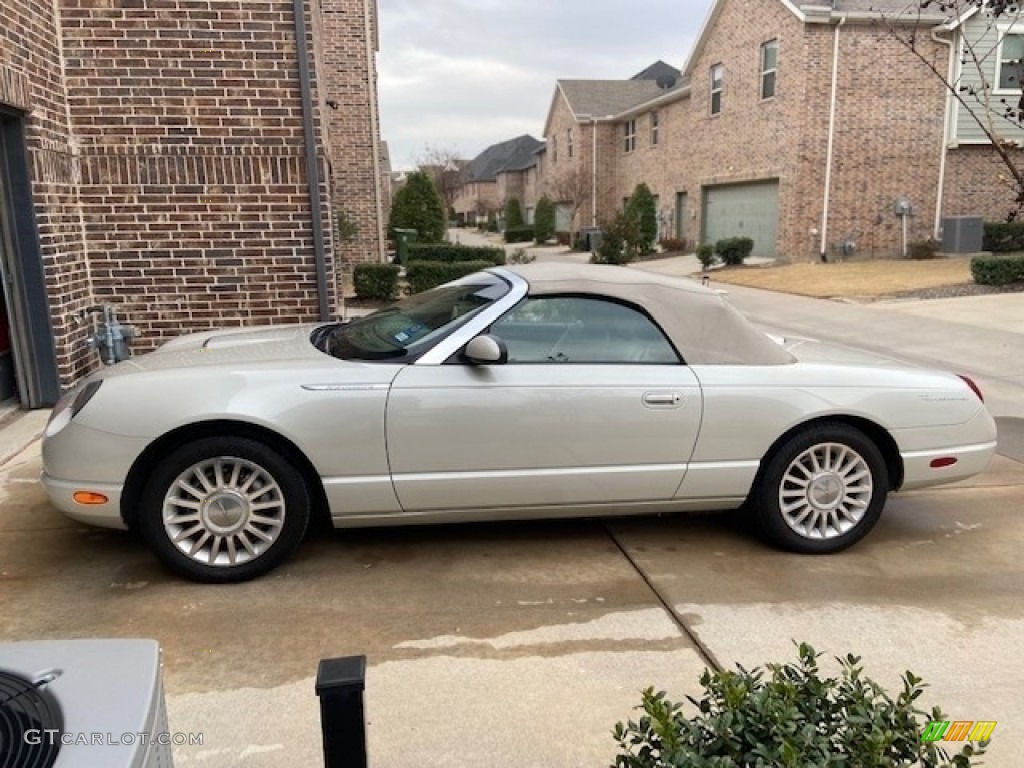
<point>705,328</point>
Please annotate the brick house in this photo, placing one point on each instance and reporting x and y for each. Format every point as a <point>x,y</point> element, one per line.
<point>495,175</point>
<point>804,126</point>
<point>185,161</point>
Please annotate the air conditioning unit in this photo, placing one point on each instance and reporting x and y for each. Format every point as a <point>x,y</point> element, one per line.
<point>962,234</point>
<point>83,704</point>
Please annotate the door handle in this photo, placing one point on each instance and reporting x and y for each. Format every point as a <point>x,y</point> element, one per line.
<point>663,398</point>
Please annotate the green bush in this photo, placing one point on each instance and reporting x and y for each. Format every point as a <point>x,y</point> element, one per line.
<point>418,206</point>
<point>787,716</point>
<point>706,256</point>
<point>1002,236</point>
<point>997,270</point>
<point>644,212</point>
<point>424,275</point>
<point>923,249</point>
<point>451,252</point>
<point>544,218</point>
<point>733,250</point>
<point>378,282</point>
<point>619,241</point>
<point>519,234</point>
<point>673,244</point>
<point>514,214</point>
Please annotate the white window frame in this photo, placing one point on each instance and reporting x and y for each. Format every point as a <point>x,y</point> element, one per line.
<point>716,91</point>
<point>629,135</point>
<point>1004,31</point>
<point>773,71</point>
<point>655,127</point>
<point>568,148</point>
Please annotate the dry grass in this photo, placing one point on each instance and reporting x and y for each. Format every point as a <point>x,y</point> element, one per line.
<point>850,278</point>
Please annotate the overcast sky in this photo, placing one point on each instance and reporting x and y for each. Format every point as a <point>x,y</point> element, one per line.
<point>465,74</point>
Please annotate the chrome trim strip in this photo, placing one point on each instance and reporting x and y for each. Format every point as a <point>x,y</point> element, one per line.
<point>724,464</point>
<point>975,448</point>
<point>361,480</point>
<point>447,347</point>
<point>346,387</point>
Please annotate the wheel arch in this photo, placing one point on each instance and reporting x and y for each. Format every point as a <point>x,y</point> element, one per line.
<point>878,434</point>
<point>143,466</point>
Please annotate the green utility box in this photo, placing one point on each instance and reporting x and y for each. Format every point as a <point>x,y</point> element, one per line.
<point>402,239</point>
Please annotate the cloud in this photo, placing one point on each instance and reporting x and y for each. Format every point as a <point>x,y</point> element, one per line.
<point>463,74</point>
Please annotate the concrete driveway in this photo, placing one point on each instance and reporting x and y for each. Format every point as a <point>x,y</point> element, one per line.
<point>521,645</point>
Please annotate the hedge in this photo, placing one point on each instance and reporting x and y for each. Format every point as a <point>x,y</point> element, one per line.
<point>519,234</point>
<point>449,252</point>
<point>1001,236</point>
<point>733,250</point>
<point>375,281</point>
<point>424,275</point>
<point>997,270</point>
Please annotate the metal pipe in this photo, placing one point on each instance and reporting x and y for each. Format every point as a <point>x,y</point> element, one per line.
<point>831,141</point>
<point>946,129</point>
<point>593,175</point>
<point>371,94</point>
<point>312,167</point>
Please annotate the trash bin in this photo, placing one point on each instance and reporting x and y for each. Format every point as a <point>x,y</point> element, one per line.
<point>402,239</point>
<point>592,238</point>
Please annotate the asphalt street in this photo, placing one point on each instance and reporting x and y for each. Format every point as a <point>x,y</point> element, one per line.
<point>522,644</point>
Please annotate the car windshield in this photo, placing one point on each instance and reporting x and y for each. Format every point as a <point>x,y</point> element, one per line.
<point>411,326</point>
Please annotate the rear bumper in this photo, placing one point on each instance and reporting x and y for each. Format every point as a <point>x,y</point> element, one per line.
<point>108,515</point>
<point>970,460</point>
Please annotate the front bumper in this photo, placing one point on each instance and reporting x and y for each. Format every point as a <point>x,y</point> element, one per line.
<point>108,515</point>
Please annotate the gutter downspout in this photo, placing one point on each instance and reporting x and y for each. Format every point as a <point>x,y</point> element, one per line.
<point>312,167</point>
<point>371,90</point>
<point>831,141</point>
<point>946,130</point>
<point>593,175</point>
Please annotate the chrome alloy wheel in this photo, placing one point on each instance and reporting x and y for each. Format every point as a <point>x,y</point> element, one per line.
<point>825,491</point>
<point>224,511</point>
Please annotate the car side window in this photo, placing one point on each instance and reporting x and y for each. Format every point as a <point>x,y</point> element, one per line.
<point>581,329</point>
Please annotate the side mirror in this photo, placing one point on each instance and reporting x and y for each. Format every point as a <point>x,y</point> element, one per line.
<point>486,350</point>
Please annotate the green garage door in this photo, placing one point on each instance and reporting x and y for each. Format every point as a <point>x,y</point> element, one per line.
<point>742,210</point>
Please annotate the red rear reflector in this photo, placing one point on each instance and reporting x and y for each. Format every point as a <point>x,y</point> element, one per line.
<point>974,387</point>
<point>945,461</point>
<point>90,497</point>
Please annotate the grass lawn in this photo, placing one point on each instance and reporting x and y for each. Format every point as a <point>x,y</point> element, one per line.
<point>850,278</point>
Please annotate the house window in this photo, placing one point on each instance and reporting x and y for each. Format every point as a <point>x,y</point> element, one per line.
<point>769,64</point>
<point>1011,62</point>
<point>568,145</point>
<point>630,135</point>
<point>655,121</point>
<point>717,74</point>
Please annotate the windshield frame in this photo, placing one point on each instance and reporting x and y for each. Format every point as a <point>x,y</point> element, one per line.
<point>419,348</point>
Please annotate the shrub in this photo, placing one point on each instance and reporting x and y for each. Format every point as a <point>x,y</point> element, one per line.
<point>706,256</point>
<point>520,256</point>
<point>424,275</point>
<point>451,252</point>
<point>618,241</point>
<point>1002,236</point>
<point>997,270</point>
<point>673,244</point>
<point>519,234</point>
<point>786,715</point>
<point>544,218</point>
<point>733,250</point>
<point>564,238</point>
<point>378,282</point>
<point>642,209</point>
<point>418,206</point>
<point>923,249</point>
<point>514,214</point>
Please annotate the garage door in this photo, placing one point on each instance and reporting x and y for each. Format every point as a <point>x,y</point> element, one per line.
<point>743,210</point>
<point>563,217</point>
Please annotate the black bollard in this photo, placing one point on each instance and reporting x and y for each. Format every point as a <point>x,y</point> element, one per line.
<point>340,684</point>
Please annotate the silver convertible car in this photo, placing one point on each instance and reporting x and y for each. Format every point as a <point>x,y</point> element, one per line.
<point>521,392</point>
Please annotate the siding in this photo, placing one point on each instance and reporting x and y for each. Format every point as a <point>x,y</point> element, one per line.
<point>982,35</point>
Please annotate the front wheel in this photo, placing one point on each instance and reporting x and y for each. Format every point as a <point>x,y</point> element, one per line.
<point>224,509</point>
<point>822,490</point>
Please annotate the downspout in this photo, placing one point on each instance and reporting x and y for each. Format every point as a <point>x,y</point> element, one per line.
<point>593,175</point>
<point>371,92</point>
<point>946,129</point>
<point>831,142</point>
<point>312,167</point>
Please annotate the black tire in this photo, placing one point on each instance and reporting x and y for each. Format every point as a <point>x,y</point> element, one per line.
<point>253,500</point>
<point>839,504</point>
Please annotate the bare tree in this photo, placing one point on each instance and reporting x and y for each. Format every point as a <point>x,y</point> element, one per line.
<point>973,85</point>
<point>571,188</point>
<point>444,167</point>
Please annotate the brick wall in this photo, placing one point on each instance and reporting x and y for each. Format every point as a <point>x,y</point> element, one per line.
<point>977,183</point>
<point>567,179</point>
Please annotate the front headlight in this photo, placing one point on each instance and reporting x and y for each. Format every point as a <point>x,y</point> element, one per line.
<point>70,404</point>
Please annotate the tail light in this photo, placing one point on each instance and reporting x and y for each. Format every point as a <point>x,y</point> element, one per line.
<point>974,387</point>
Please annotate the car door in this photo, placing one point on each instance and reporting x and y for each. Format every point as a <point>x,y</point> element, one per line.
<point>593,407</point>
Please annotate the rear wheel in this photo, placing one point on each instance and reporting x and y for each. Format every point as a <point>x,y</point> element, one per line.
<point>224,509</point>
<point>822,490</point>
